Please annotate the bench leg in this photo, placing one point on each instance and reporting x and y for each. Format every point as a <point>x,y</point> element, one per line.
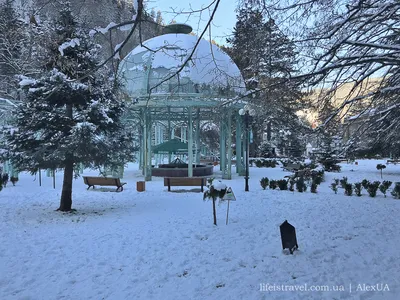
<point>169,185</point>
<point>202,185</point>
<point>90,186</point>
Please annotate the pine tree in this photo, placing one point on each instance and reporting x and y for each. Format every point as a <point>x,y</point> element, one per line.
<point>11,47</point>
<point>69,117</point>
<point>266,58</point>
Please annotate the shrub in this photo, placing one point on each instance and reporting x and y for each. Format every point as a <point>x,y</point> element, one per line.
<point>396,191</point>
<point>317,176</point>
<point>301,185</point>
<point>292,182</point>
<point>380,167</point>
<point>314,186</point>
<point>258,163</point>
<point>264,182</point>
<point>334,186</point>
<point>372,188</point>
<point>357,188</point>
<point>330,165</point>
<point>283,184</point>
<point>365,183</point>
<point>343,182</point>
<point>348,189</point>
<point>273,184</point>
<point>385,186</point>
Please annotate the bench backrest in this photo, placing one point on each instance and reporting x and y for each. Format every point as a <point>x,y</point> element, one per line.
<point>185,181</point>
<point>101,181</point>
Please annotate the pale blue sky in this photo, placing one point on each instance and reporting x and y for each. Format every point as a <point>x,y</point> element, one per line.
<point>223,23</point>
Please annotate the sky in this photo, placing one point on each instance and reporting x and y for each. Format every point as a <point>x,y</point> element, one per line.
<point>223,23</point>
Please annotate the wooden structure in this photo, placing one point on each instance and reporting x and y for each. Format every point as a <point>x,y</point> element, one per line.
<point>103,181</point>
<point>185,181</point>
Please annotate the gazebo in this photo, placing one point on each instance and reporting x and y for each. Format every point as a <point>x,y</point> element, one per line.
<point>177,82</point>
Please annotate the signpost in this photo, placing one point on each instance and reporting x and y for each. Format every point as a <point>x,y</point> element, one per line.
<point>288,236</point>
<point>230,196</point>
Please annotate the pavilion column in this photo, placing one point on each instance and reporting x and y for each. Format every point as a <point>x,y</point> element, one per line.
<point>239,156</point>
<point>147,146</point>
<point>170,132</point>
<point>141,146</point>
<point>190,144</point>
<point>228,170</point>
<point>244,150</point>
<point>223,147</point>
<point>198,146</point>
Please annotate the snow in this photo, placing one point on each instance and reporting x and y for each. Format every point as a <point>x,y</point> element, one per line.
<point>135,7</point>
<point>72,43</point>
<point>163,245</point>
<point>26,82</point>
<point>166,54</point>
<point>219,185</point>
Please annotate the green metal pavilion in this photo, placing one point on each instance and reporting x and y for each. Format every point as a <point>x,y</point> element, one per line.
<point>176,80</point>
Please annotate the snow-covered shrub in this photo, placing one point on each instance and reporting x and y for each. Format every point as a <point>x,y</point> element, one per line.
<point>385,186</point>
<point>273,184</point>
<point>330,165</point>
<point>373,188</point>
<point>358,188</point>
<point>264,182</point>
<point>348,189</point>
<point>292,182</point>
<point>317,176</point>
<point>283,184</point>
<point>365,183</point>
<point>343,182</point>
<point>334,187</point>
<point>301,185</point>
<point>396,191</point>
<point>314,186</point>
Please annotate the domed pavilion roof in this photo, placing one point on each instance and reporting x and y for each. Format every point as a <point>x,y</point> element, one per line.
<point>151,69</point>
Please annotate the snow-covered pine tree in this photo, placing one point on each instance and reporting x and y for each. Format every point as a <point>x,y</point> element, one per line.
<point>12,39</point>
<point>72,114</point>
<point>266,58</point>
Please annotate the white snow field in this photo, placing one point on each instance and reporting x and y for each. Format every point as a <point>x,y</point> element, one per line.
<point>163,245</point>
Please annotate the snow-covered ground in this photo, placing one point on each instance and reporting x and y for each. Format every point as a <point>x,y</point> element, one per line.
<point>163,245</point>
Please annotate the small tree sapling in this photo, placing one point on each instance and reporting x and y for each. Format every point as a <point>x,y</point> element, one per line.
<point>380,167</point>
<point>214,192</point>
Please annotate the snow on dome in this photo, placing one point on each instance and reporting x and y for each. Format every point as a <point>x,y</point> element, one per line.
<point>209,72</point>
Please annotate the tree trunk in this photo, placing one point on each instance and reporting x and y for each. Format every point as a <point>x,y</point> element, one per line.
<point>66,195</point>
<point>215,213</point>
<point>269,131</point>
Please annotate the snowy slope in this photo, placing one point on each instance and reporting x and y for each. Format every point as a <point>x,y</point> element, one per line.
<point>161,245</point>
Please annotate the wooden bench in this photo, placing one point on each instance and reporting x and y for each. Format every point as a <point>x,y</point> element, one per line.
<point>103,181</point>
<point>393,161</point>
<point>185,181</point>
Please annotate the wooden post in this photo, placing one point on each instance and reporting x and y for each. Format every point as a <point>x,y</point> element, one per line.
<point>54,178</point>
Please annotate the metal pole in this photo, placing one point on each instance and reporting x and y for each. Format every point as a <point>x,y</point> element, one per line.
<point>246,178</point>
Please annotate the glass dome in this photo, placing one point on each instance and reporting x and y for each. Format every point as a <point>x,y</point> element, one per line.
<point>152,67</point>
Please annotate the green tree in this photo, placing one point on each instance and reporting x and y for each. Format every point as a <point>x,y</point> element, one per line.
<point>69,118</point>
